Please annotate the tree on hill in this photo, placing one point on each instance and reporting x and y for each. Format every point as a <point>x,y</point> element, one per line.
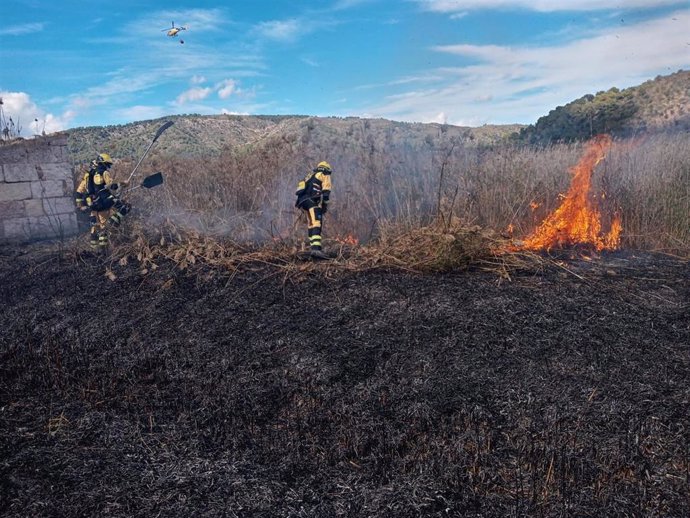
<point>605,112</point>
<point>659,104</point>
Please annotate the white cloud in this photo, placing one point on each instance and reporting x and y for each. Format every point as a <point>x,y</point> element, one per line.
<point>19,30</point>
<point>81,103</point>
<point>197,80</point>
<point>309,61</point>
<point>226,88</point>
<point>426,77</point>
<point>524,83</point>
<point>193,94</point>
<point>440,118</point>
<point>347,4</point>
<point>194,19</point>
<point>456,6</point>
<point>123,82</point>
<point>24,113</point>
<point>631,50</point>
<point>282,30</point>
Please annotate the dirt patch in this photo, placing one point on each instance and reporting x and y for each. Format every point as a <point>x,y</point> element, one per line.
<point>340,393</point>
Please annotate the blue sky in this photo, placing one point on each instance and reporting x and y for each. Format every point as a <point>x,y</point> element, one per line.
<point>464,62</point>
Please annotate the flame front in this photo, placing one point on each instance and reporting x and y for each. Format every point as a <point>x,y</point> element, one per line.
<point>348,240</point>
<point>577,220</point>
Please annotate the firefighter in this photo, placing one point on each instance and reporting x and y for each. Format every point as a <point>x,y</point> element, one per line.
<point>313,195</point>
<point>99,194</point>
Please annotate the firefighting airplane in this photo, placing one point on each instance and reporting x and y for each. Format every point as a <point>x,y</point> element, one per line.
<point>173,31</point>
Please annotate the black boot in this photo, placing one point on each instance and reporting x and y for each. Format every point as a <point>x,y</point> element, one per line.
<point>318,254</point>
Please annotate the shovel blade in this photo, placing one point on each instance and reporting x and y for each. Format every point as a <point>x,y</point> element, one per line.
<point>152,180</point>
<point>162,129</point>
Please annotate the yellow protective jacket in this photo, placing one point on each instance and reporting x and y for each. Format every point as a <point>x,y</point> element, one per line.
<point>93,190</point>
<point>314,190</point>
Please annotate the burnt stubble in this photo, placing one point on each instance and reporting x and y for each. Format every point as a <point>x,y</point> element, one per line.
<point>564,392</point>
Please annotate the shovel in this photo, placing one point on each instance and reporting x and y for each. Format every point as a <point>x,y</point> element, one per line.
<point>160,131</point>
<point>150,181</point>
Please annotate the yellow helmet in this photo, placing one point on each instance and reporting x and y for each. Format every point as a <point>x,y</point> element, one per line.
<point>324,166</point>
<point>104,158</point>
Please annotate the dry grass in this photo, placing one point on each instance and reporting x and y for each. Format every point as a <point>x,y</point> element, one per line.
<point>429,249</point>
<point>189,249</point>
<point>445,247</point>
<point>404,204</point>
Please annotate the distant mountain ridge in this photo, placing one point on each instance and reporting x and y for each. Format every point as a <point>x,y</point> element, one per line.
<point>661,104</point>
<point>210,135</point>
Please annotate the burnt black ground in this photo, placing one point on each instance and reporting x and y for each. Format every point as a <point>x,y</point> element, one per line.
<point>387,394</point>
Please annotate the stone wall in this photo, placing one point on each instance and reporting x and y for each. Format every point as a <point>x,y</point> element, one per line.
<point>36,186</point>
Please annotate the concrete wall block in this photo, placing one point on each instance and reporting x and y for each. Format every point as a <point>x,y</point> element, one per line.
<point>34,208</point>
<point>62,205</point>
<point>54,172</point>
<point>59,226</point>
<point>64,154</point>
<point>43,152</point>
<point>25,229</point>
<point>49,189</point>
<point>59,146</point>
<point>36,185</point>
<point>12,209</point>
<point>17,229</point>
<point>14,153</point>
<point>43,227</point>
<point>15,191</point>
<point>69,224</point>
<point>20,172</point>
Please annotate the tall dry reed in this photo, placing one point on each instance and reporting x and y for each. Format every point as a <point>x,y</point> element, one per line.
<point>380,180</point>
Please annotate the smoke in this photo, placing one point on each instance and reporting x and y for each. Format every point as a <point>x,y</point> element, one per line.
<point>176,207</point>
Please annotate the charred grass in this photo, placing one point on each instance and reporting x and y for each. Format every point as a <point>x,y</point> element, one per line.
<point>187,377</point>
<point>433,370</point>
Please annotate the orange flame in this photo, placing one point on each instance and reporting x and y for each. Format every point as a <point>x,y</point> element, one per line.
<point>347,240</point>
<point>577,220</point>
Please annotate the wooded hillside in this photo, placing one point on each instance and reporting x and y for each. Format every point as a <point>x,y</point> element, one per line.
<point>661,104</point>
<point>211,135</point>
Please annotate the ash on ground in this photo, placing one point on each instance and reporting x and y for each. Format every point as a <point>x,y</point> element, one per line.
<point>563,392</point>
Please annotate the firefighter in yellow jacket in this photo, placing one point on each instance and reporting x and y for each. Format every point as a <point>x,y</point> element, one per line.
<point>313,194</point>
<point>99,194</point>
